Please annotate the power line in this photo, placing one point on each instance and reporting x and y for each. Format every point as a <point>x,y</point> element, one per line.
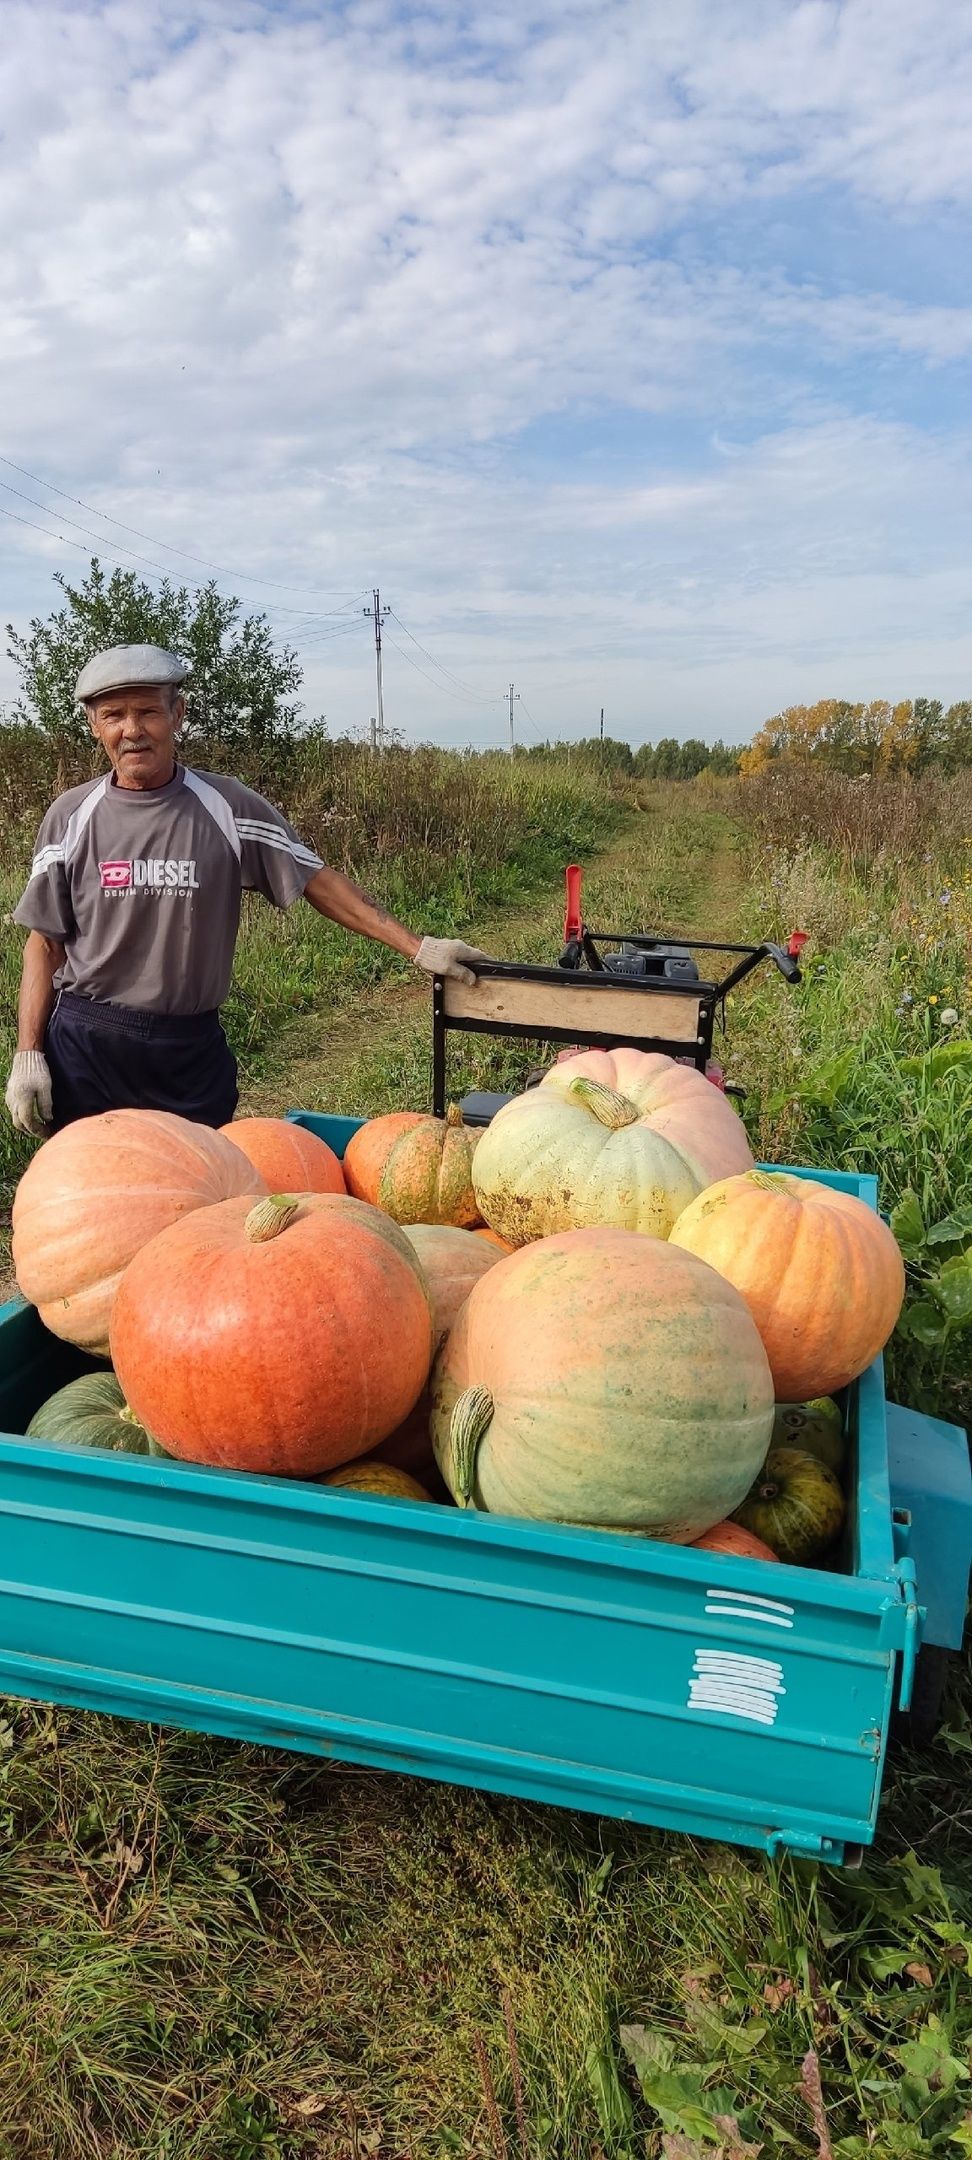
<point>272,607</point>
<point>442,688</point>
<point>531,723</point>
<point>475,696</point>
<point>309,645</point>
<point>98,538</point>
<point>237,576</point>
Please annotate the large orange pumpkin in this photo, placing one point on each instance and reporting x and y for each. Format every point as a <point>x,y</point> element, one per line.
<point>97,1192</point>
<point>427,1177</point>
<point>820,1272</point>
<point>289,1158</point>
<point>368,1150</point>
<point>286,1337</point>
<point>620,1137</point>
<point>602,1377</point>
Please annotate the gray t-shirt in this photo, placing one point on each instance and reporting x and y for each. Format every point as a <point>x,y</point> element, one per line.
<point>143,886</point>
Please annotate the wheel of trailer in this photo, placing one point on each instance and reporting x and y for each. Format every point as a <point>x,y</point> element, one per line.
<point>918,1725</point>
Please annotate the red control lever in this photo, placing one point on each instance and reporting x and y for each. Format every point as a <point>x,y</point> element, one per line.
<point>573,924</point>
<point>796,942</point>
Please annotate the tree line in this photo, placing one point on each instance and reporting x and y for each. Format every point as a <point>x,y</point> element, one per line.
<point>874,736</point>
<point>668,759</point>
<point>243,697</point>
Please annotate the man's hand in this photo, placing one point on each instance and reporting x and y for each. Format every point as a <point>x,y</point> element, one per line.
<point>335,896</point>
<point>449,956</point>
<point>29,1095</point>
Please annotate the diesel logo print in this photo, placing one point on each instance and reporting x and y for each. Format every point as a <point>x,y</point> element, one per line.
<point>149,874</point>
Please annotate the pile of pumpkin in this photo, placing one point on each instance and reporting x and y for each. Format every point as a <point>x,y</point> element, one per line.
<point>597,1311</point>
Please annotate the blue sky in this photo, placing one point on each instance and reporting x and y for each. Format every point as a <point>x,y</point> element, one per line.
<point>626,347</point>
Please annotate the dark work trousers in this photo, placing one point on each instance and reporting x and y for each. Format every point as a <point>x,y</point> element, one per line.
<point>107,1057</point>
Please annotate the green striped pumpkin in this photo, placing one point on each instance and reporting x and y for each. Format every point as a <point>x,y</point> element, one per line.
<point>92,1412</point>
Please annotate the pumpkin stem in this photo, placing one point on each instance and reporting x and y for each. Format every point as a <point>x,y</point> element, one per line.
<point>767,1180</point>
<point>269,1217</point>
<point>469,1424</point>
<point>127,1416</point>
<point>454,1114</point>
<point>604,1103</point>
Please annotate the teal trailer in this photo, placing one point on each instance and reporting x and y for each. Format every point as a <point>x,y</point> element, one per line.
<point>716,1695</point>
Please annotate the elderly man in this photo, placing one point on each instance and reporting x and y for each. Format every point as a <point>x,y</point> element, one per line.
<point>133,910</point>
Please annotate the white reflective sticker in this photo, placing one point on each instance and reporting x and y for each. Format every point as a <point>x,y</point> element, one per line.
<point>747,1605</point>
<point>737,1685</point>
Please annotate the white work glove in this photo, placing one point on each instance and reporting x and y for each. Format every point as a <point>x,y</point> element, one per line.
<point>28,1096</point>
<point>449,956</point>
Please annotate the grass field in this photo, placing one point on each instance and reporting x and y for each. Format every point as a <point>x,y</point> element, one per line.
<point>210,1952</point>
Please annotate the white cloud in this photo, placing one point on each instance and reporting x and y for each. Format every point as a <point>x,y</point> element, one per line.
<point>291,288</point>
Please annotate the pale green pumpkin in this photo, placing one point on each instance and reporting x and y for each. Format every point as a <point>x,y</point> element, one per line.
<point>594,1378</point>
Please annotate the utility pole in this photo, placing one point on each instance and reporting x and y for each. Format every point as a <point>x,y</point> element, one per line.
<point>377,614</point>
<point>514,700</point>
<point>602,723</point>
<point>373,738</point>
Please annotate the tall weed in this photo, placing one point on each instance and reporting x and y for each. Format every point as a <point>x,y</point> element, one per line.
<point>868,1067</point>
<point>868,825</point>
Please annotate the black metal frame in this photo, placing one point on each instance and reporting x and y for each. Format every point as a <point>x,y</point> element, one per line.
<point>709,995</point>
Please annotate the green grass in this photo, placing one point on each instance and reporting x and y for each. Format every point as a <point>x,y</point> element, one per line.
<point>212,1952</point>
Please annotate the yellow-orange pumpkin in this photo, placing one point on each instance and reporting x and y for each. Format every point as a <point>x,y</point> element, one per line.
<point>289,1158</point>
<point>385,1479</point>
<point>96,1193</point>
<point>603,1377</point>
<point>492,1237</point>
<point>820,1272</point>
<point>368,1150</point>
<point>427,1177</point>
<point>288,1337</point>
<point>620,1137</point>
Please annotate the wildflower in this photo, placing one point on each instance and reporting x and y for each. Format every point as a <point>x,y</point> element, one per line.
<point>906,997</point>
<point>933,999</point>
<point>945,899</point>
<point>948,1016</point>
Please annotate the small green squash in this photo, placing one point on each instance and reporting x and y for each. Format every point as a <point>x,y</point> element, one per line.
<point>816,1427</point>
<point>92,1412</point>
<point>795,1505</point>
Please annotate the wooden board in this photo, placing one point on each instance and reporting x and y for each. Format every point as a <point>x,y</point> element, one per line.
<point>619,1010</point>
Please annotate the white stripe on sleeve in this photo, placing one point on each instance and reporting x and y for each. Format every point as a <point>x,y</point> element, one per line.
<point>265,836</point>
<point>217,806</point>
<point>75,827</point>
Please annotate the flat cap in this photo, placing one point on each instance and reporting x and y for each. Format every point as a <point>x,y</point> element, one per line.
<point>123,667</point>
